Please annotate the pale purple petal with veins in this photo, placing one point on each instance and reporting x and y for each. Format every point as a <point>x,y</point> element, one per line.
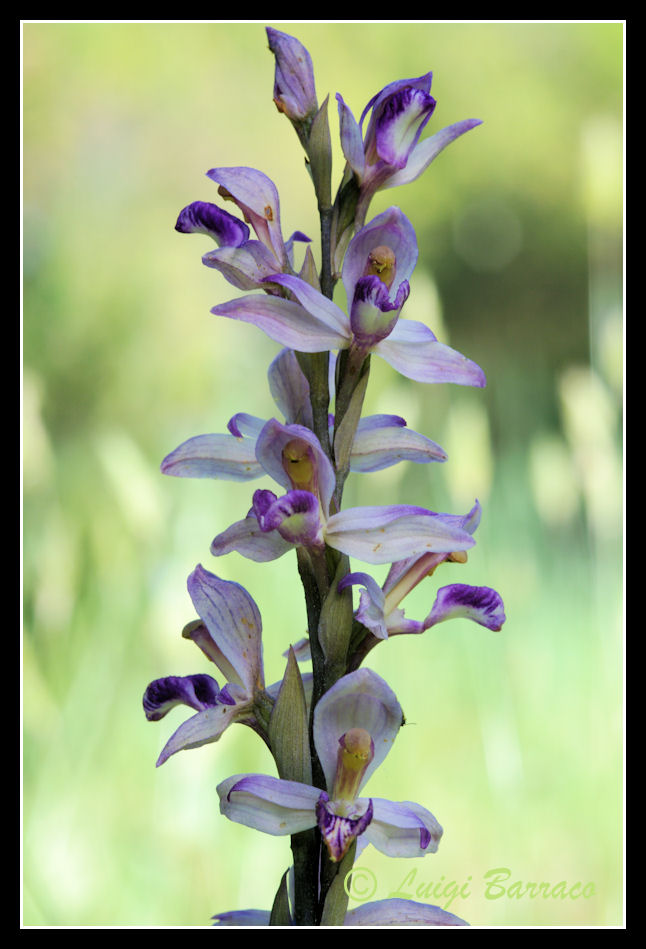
<point>214,456</point>
<point>257,197</point>
<point>269,804</point>
<point>412,349</point>
<point>202,729</point>
<point>290,389</point>
<point>378,446</point>
<point>245,267</point>
<point>390,229</point>
<point>386,534</point>
<point>246,538</point>
<point>398,912</point>
<point>231,616</point>
<point>425,152</point>
<point>286,322</point>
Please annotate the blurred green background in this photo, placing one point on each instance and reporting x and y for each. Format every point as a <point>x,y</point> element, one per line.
<point>514,738</point>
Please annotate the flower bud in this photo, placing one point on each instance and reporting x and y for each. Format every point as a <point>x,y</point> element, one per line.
<point>294,89</point>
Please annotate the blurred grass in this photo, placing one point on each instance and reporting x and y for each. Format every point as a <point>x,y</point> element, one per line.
<point>515,738</point>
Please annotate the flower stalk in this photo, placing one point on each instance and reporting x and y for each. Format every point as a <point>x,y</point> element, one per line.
<point>328,730</point>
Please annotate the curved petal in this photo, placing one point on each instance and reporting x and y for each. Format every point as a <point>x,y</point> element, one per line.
<point>371,605</point>
<point>361,699</point>
<point>202,217</point>
<point>248,539</point>
<point>232,618</point>
<point>285,321</point>
<point>395,912</point>
<point>290,389</point>
<point>214,456</point>
<point>257,197</point>
<point>425,152</point>
<point>387,534</point>
<point>351,139</point>
<point>480,604</point>
<point>413,350</point>
<point>319,306</point>
<point>245,267</point>
<point>272,805</point>
<point>196,691</point>
<point>403,829</point>
<point>202,729</point>
<point>380,447</point>
<point>244,425</point>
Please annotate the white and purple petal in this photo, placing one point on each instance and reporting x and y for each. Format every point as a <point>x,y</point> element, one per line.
<point>318,305</point>
<point>232,618</point>
<point>480,604</point>
<point>245,267</point>
<point>257,197</point>
<point>412,349</point>
<point>290,389</point>
<point>395,912</point>
<point>425,152</point>
<point>286,322</point>
<point>214,456</point>
<point>361,699</point>
<point>271,805</point>
<point>399,123</point>
<point>378,446</point>
<point>296,516</point>
<point>390,533</point>
<point>202,729</point>
<point>403,829</point>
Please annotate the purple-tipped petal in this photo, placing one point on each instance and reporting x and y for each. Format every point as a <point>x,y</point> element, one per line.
<point>231,616</point>
<point>412,349</point>
<point>243,425</point>
<point>196,691</point>
<point>214,456</point>
<point>373,314</point>
<point>361,699</point>
<point>284,321</point>
<point>403,829</point>
<point>387,534</point>
<point>399,122</point>
<point>399,912</point>
<point>268,804</point>
<point>201,217</point>
<point>480,604</point>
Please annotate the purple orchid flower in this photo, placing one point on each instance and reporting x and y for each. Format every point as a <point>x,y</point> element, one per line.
<point>390,912</point>
<point>391,152</point>
<point>229,634</point>
<point>379,608</point>
<point>376,269</point>
<point>243,262</point>
<point>355,724</point>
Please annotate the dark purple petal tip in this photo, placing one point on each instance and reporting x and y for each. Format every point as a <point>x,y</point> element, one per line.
<point>202,217</point>
<point>196,691</point>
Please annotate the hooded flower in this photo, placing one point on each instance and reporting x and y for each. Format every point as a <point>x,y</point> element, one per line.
<point>229,634</point>
<point>355,724</point>
<point>243,262</point>
<point>391,153</point>
<point>376,270</point>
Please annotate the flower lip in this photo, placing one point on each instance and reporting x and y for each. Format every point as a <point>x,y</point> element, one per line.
<point>206,218</point>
